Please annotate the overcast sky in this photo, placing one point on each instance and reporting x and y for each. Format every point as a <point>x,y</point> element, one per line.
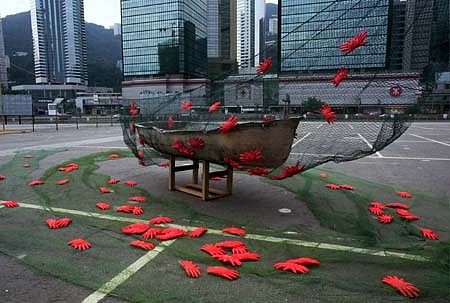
<point>102,12</point>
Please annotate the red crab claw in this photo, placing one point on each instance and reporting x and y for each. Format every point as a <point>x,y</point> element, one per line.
<point>113,181</point>
<point>198,232</point>
<point>186,105</point>
<point>105,190</point>
<point>377,205</point>
<point>164,164</point>
<point>36,182</point>
<point>251,156</point>
<point>10,204</point>
<point>323,175</point>
<point>333,186</point>
<point>142,244</point>
<point>2,177</point>
<point>228,125</point>
<point>293,267</point>
<point>229,244</point>
<point>151,233</point>
<point>214,107</point>
<point>347,187</point>
<point>103,205</point>
<point>114,156</point>
<point>52,223</point>
<point>79,244</point>
<point>234,231</point>
<point>160,220</point>
<point>232,163</point>
<point>63,222</point>
<point>258,171</point>
<point>28,157</point>
<point>63,181</point>
<point>139,199</point>
<point>397,205</point>
<point>429,233</point>
<point>404,194</point>
<point>135,228</point>
<point>196,143</point>
<point>232,260</point>
<point>170,122</point>
<point>172,234</point>
<point>138,211</point>
<point>130,183</point>
<point>354,43</point>
<point>304,261</point>
<point>385,219</point>
<point>192,270</point>
<point>26,165</point>
<point>407,289</point>
<point>247,256</point>
<point>376,211</point>
<point>239,250</point>
<point>125,209</point>
<point>224,272</point>
<point>212,250</point>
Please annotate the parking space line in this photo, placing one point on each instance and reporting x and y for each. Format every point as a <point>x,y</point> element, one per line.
<point>109,286</point>
<point>371,157</point>
<point>300,140</point>
<point>370,145</point>
<point>248,236</point>
<point>421,127</point>
<point>431,140</point>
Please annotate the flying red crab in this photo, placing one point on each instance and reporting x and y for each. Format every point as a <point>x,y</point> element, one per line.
<point>259,171</point>
<point>160,220</point>
<point>198,232</point>
<point>213,250</point>
<point>103,205</point>
<point>251,156</point>
<point>63,181</point>
<point>328,114</point>
<point>324,175</point>
<point>130,183</point>
<point>353,43</point>
<point>404,194</point>
<point>304,261</point>
<point>196,143</point>
<point>347,187</point>
<point>228,125</point>
<point>407,289</point>
<point>429,233</point>
<point>234,231</point>
<point>231,259</point>
<point>186,105</point>
<point>104,190</point>
<point>2,177</point>
<point>377,205</point>
<point>151,233</point>
<point>10,204</point>
<point>142,244</point>
<point>139,199</point>
<point>290,266</point>
<point>114,156</point>
<point>340,76</point>
<point>376,211</point>
<point>113,181</point>
<point>333,186</point>
<point>264,66</point>
<point>135,228</point>
<point>171,233</point>
<point>80,244</point>
<point>192,270</point>
<point>164,164</point>
<point>232,163</point>
<point>247,256</point>
<point>385,219</point>
<point>179,146</point>
<point>224,272</point>
<point>134,111</point>
<point>397,205</point>
<point>214,107</point>
<point>170,122</point>
<point>26,165</point>
<point>36,182</point>
<point>289,171</point>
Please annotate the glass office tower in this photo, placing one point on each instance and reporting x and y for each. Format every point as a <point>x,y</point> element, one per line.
<point>3,71</point>
<point>161,37</point>
<point>59,41</point>
<point>312,30</point>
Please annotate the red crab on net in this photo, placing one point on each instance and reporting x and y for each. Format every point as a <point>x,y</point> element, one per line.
<point>377,205</point>
<point>63,181</point>
<point>104,190</point>
<point>258,171</point>
<point>125,209</point>
<point>213,250</point>
<point>134,111</point>
<point>114,156</point>
<point>28,157</point>
<point>214,107</point>
<point>333,186</point>
<point>26,165</point>
<point>328,114</point>
<point>151,233</point>
<point>239,249</point>
<point>64,222</point>
<point>347,187</point>
<point>139,199</point>
<point>113,181</point>
<point>264,66</point>
<point>130,183</point>
<point>247,256</point>
<point>160,220</point>
<point>397,205</point>
<point>404,194</point>
<point>290,266</point>
<point>354,43</point>
<point>196,143</point>
<point>10,204</point>
<point>323,175</point>
<point>289,171</point>
<point>410,217</point>
<point>407,289</point>
<point>186,105</point>
<point>385,219</point>
<point>135,228</point>
<point>164,164</point>
<point>140,154</point>
<point>234,231</point>
<point>429,233</point>
<point>224,272</point>
<point>250,156</point>
<point>267,119</point>
<point>304,261</point>
<point>192,270</point>
<point>179,146</point>
<point>228,125</point>
<point>376,211</point>
<point>80,244</point>
<point>339,76</point>
<point>231,259</point>
<point>198,232</point>
<point>2,177</point>
<point>142,244</point>
<point>229,244</point>
<point>36,182</point>
<point>171,233</point>
<point>103,205</point>
<point>170,122</point>
<point>141,140</point>
<point>233,163</point>
<point>56,224</point>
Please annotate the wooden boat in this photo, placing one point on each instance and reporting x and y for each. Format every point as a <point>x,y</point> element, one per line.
<point>274,140</point>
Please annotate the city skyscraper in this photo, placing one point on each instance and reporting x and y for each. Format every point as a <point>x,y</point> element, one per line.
<point>3,70</point>
<point>59,41</point>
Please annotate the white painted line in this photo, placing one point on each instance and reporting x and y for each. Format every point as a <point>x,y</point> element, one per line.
<point>300,140</point>
<point>109,286</point>
<point>248,236</point>
<point>101,147</point>
<point>427,128</point>
<point>350,126</point>
<point>412,158</point>
<point>371,157</point>
<point>431,140</point>
<point>370,145</point>
<point>411,141</point>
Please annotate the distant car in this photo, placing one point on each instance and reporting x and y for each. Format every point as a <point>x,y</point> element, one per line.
<point>116,116</point>
<point>64,116</point>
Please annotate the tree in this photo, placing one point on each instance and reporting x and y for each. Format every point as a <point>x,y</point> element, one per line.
<point>312,105</point>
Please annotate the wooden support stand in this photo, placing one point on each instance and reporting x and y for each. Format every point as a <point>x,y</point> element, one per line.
<point>203,191</point>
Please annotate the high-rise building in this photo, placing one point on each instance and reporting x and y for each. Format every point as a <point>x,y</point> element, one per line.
<point>222,30</point>
<point>397,35</point>
<point>117,28</point>
<point>3,70</point>
<point>59,41</point>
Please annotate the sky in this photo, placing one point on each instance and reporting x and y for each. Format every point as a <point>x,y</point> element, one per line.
<point>102,12</point>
